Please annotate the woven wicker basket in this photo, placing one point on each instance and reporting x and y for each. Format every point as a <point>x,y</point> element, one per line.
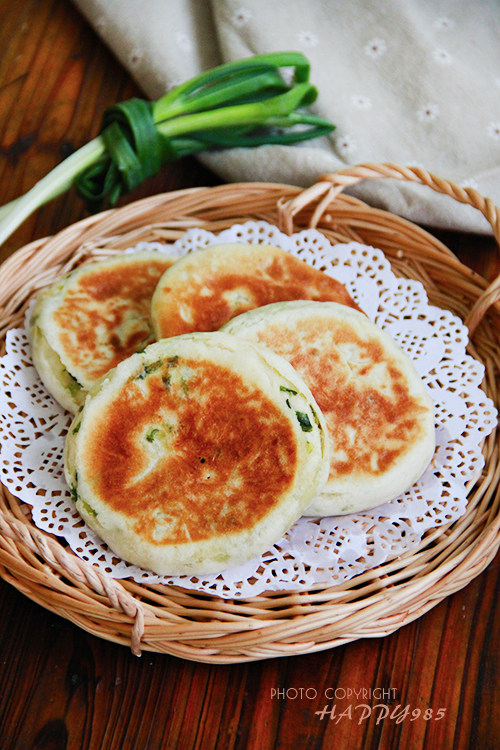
<point>206,628</point>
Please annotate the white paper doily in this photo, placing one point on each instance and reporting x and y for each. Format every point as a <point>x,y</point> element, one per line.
<point>327,551</point>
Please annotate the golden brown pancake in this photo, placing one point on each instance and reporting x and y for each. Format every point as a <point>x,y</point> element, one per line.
<point>379,415</point>
<point>197,454</point>
<point>208,287</point>
<point>90,320</point>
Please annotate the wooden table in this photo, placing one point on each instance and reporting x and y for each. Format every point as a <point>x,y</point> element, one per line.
<point>62,688</point>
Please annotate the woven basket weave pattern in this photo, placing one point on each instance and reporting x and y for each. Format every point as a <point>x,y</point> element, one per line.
<point>200,627</point>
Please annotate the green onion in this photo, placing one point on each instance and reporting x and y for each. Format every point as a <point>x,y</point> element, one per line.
<point>90,510</point>
<point>73,386</point>
<point>288,390</point>
<point>304,421</point>
<point>239,104</point>
<point>148,369</point>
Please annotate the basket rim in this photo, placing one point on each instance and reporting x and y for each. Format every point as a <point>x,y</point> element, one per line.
<point>134,615</point>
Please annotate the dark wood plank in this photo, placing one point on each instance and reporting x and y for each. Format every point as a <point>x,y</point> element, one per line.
<point>64,688</point>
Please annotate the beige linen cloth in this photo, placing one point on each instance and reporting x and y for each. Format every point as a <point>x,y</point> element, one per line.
<point>412,82</point>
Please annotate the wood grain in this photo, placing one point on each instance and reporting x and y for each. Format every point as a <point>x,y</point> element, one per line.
<point>63,688</point>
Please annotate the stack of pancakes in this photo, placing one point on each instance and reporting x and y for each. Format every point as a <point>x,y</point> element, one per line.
<point>221,396</point>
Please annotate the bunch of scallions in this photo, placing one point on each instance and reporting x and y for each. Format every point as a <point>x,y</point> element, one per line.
<point>238,104</point>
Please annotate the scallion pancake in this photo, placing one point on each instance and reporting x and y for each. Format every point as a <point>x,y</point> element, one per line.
<point>197,454</point>
<point>96,316</point>
<point>379,415</point>
<point>210,286</point>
